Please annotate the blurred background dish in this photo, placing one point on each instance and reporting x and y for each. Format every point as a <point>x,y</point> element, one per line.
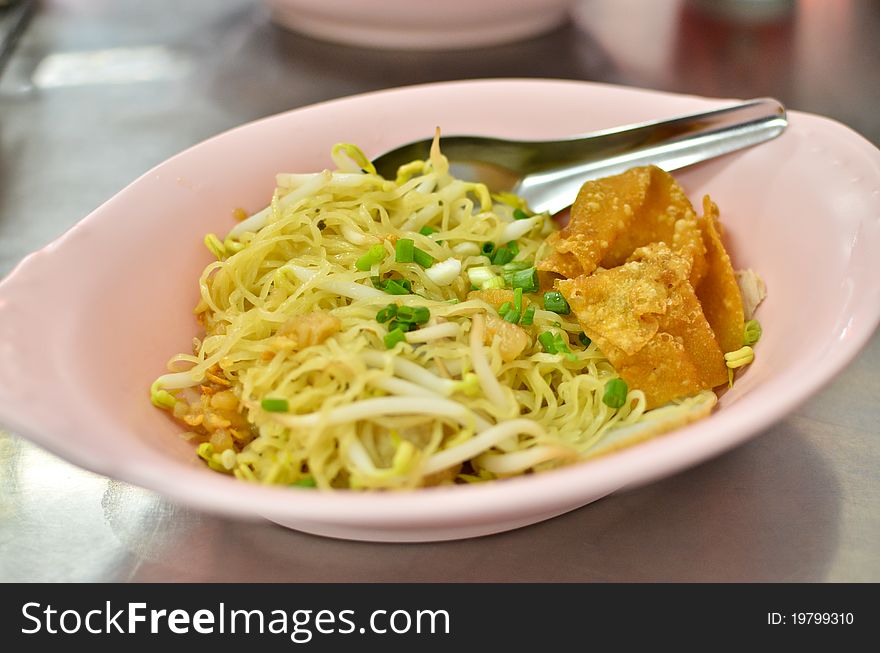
<point>420,24</point>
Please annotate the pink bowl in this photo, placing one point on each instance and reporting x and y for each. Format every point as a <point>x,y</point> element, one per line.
<point>88,322</point>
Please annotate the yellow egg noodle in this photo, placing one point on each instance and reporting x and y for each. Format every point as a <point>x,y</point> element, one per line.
<point>321,367</point>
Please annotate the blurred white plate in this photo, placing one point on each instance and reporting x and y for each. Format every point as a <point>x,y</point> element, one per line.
<point>420,24</point>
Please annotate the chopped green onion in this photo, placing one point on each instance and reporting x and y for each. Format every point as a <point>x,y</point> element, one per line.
<point>275,405</point>
<point>386,313</point>
<point>398,287</point>
<point>515,266</point>
<point>519,214</point>
<point>394,325</point>
<point>413,314</point>
<point>374,255</point>
<point>422,258</point>
<point>554,343</point>
<point>585,341</point>
<point>488,248</point>
<point>513,247</point>
<point>482,278</point>
<point>503,255</point>
<point>554,301</point>
<point>393,337</point>
<point>427,231</point>
<point>393,286</point>
<point>525,279</point>
<point>404,250</point>
<point>752,332</point>
<point>548,342</point>
<point>615,393</point>
<point>512,316</point>
<point>562,348</point>
<point>503,308</point>
<point>421,314</point>
<point>405,314</point>
<point>528,317</point>
<point>305,481</point>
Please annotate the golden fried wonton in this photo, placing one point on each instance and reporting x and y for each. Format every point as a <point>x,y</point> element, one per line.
<point>718,291</point>
<point>613,216</point>
<point>645,317</point>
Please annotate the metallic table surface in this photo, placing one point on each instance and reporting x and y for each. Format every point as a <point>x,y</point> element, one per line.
<point>798,503</point>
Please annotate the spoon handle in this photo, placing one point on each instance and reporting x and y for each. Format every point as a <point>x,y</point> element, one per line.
<point>669,144</point>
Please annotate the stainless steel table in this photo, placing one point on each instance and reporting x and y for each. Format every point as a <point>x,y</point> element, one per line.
<point>95,93</point>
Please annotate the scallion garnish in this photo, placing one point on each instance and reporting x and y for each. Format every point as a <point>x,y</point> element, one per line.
<point>422,258</point>
<point>275,405</point>
<point>503,255</point>
<point>421,314</point>
<point>413,314</point>
<point>514,313</point>
<point>519,214</point>
<point>615,393</point>
<point>427,231</point>
<point>584,339</point>
<point>386,313</point>
<point>393,337</point>
<point>512,316</point>
<point>751,332</point>
<point>554,343</point>
<point>548,342</point>
<point>374,255</point>
<point>528,317</point>
<point>395,325</point>
<point>488,249</point>
<point>554,301</point>
<point>393,286</point>
<point>526,279</point>
<point>403,250</point>
<point>514,266</point>
<point>305,481</point>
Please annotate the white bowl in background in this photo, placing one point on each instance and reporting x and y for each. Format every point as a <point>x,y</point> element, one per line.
<point>420,24</point>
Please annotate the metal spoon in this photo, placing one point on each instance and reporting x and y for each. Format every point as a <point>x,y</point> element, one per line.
<point>548,174</point>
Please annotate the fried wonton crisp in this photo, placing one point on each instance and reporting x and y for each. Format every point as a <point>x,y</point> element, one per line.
<point>614,216</point>
<point>718,291</point>
<point>646,318</point>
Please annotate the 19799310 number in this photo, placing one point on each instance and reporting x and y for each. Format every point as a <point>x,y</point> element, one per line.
<point>808,618</point>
